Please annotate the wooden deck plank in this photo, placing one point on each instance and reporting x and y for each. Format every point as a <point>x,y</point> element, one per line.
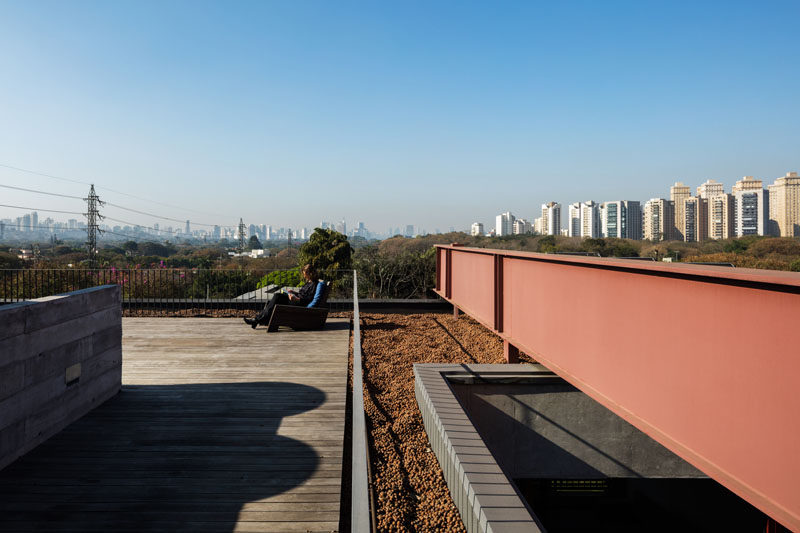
<point>218,427</point>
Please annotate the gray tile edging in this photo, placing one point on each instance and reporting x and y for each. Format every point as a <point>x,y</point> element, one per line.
<point>486,499</point>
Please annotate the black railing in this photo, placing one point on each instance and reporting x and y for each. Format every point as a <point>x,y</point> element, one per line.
<point>164,289</point>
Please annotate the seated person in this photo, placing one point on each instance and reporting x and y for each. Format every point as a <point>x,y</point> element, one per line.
<point>308,296</point>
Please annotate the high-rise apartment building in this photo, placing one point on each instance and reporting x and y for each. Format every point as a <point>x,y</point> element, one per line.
<point>590,219</point>
<point>522,226</point>
<point>659,219</point>
<point>752,212</point>
<point>784,205</point>
<point>574,219</point>
<point>504,224</point>
<point>720,216</point>
<point>751,201</point>
<point>710,188</point>
<point>747,183</point>
<point>583,219</point>
<point>678,193</point>
<point>476,229</point>
<point>189,229</point>
<point>695,219</point>
<point>35,221</point>
<point>551,218</point>
<point>621,219</point>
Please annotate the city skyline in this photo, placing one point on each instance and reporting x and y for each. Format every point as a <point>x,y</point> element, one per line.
<point>567,223</point>
<point>436,114</point>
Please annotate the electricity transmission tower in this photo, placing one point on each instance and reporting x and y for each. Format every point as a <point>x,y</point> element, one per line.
<point>93,216</point>
<point>242,229</point>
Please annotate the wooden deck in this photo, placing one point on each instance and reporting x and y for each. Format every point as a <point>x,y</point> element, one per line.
<point>218,428</point>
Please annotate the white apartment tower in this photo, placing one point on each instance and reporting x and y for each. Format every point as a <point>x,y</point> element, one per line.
<point>784,205</point>
<point>504,224</point>
<point>574,219</point>
<point>659,219</point>
<point>476,229</point>
<point>522,226</point>
<point>551,218</point>
<point>590,219</point>
<point>621,219</point>
<point>752,212</point>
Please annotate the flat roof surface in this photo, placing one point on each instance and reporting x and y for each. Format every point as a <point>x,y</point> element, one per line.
<point>218,427</point>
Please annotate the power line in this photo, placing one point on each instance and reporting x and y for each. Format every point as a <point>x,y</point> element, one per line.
<point>43,174</point>
<point>45,210</point>
<point>37,173</point>
<point>40,192</point>
<point>111,204</point>
<point>161,217</point>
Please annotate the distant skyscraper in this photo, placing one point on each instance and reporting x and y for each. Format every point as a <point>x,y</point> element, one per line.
<point>551,218</point>
<point>677,194</point>
<point>752,212</point>
<point>35,221</point>
<point>784,205</point>
<point>188,229</point>
<point>26,222</point>
<point>477,229</point>
<point>720,216</point>
<point>504,224</point>
<point>217,233</point>
<point>695,219</point>
<point>621,219</point>
<point>710,188</point>
<point>659,219</point>
<point>574,219</point>
<point>747,183</point>
<point>410,230</point>
<point>522,227</point>
<point>590,220</point>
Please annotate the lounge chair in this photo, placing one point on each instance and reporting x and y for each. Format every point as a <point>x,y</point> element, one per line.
<point>301,318</point>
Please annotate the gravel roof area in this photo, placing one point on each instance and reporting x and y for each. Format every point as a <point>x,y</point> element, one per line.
<point>410,489</point>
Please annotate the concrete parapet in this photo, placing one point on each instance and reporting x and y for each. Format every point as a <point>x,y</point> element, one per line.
<point>60,357</point>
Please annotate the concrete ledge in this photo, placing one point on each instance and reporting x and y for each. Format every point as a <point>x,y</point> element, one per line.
<point>485,497</point>
<point>60,357</point>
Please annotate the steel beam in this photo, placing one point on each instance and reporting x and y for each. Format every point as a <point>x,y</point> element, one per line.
<point>704,359</point>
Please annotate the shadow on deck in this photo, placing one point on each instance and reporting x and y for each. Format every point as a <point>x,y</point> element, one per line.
<point>225,456</point>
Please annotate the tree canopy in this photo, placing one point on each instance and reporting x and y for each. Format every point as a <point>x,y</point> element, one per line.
<point>327,251</point>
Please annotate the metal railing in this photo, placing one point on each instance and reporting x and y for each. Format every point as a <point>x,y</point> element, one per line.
<point>165,289</point>
<point>360,490</point>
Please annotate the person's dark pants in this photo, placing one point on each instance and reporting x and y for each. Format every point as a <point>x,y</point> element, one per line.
<point>265,314</point>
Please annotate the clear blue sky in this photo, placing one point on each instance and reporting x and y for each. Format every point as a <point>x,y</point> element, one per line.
<point>428,113</point>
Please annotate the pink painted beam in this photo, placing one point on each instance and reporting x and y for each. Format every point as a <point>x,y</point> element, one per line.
<point>704,359</point>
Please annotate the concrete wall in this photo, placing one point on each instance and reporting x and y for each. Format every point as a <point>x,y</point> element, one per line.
<point>554,430</point>
<point>60,357</point>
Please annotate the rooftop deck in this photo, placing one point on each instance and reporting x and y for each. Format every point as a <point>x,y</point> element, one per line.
<point>217,428</point>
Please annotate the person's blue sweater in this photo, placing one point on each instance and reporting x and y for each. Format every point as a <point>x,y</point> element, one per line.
<point>317,294</point>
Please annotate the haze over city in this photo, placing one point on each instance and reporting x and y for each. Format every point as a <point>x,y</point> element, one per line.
<point>432,115</point>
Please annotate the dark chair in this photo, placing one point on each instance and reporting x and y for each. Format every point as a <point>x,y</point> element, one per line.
<point>301,318</point>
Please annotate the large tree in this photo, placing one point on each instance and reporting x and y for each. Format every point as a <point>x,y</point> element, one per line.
<point>327,251</point>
